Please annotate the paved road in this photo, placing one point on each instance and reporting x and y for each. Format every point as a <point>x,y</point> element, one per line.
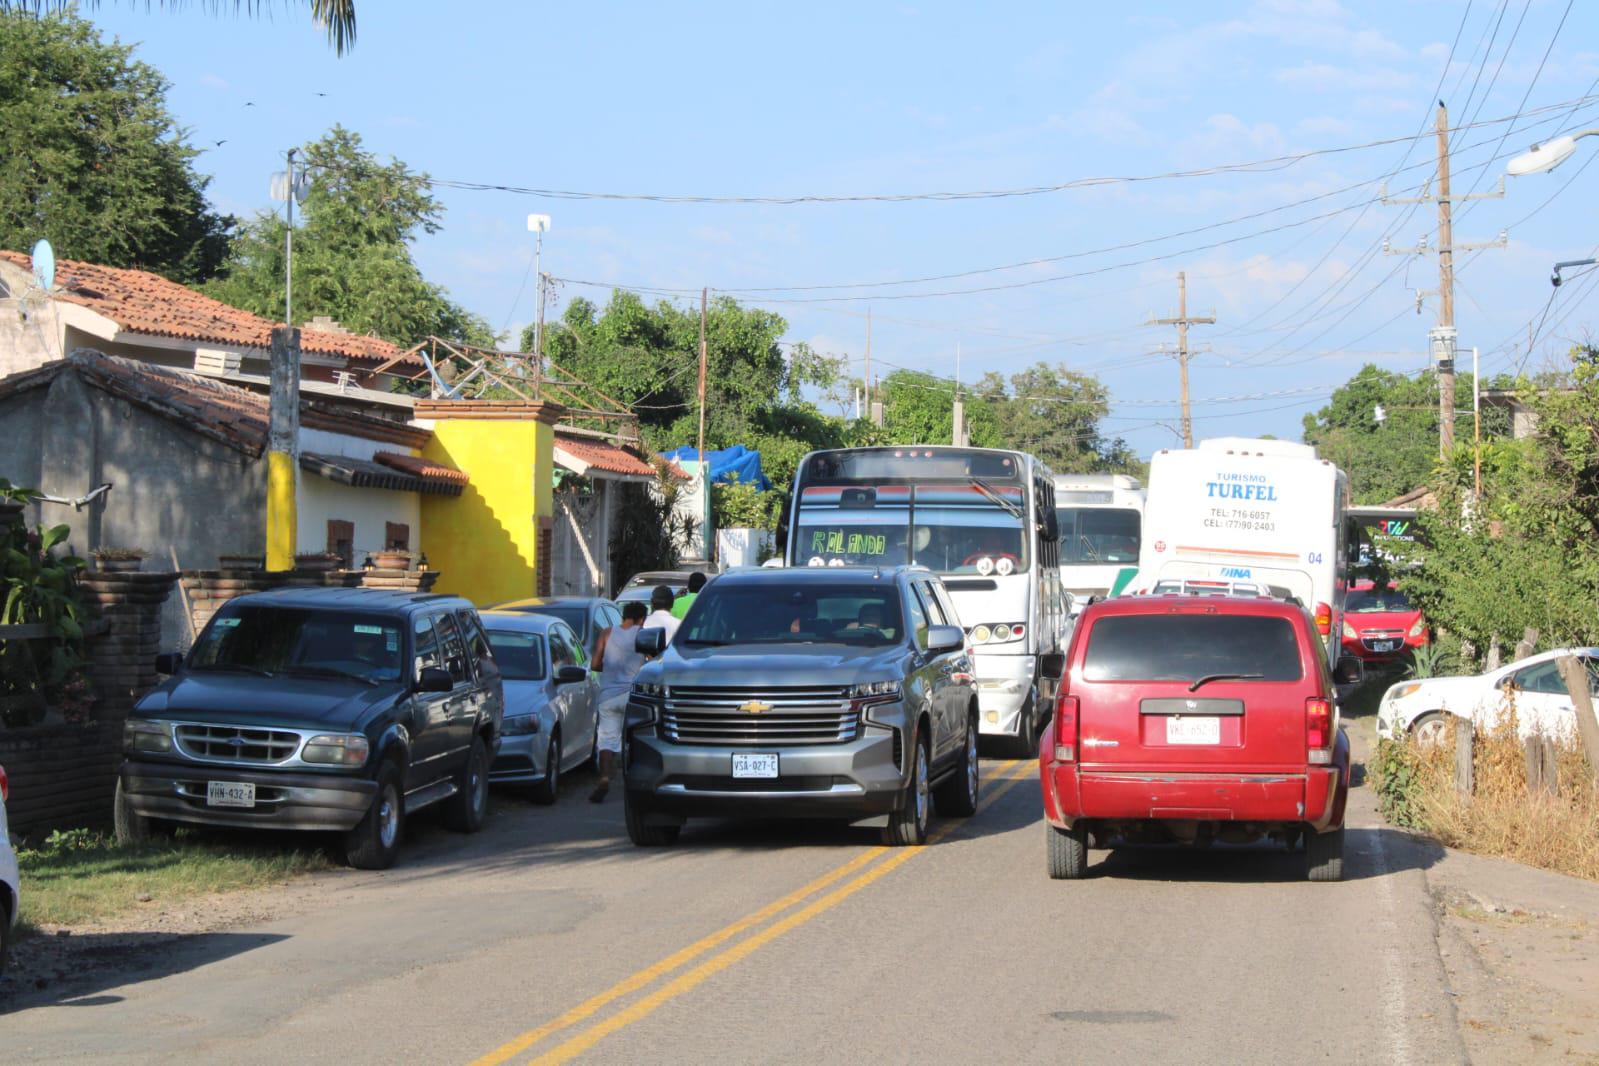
<point>549,938</point>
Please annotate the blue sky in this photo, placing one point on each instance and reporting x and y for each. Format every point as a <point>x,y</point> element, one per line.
<point>869,99</point>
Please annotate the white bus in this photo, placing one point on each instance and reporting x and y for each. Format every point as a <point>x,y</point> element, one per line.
<point>1244,512</point>
<point>984,520</point>
<point>1101,518</point>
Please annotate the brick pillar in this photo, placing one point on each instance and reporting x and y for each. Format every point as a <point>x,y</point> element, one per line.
<point>122,653</point>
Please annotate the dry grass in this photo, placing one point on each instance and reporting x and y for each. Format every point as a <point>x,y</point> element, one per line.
<point>1552,831</point>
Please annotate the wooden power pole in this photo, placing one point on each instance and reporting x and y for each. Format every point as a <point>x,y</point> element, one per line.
<point>868,377</point>
<point>1182,322</point>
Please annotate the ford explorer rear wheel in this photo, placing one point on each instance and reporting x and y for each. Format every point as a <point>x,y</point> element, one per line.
<point>1068,852</point>
<point>1324,855</point>
<point>466,811</point>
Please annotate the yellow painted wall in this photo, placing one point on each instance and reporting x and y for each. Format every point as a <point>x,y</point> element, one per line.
<point>485,541</point>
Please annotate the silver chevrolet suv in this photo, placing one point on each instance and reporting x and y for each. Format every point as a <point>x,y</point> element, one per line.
<point>843,692</point>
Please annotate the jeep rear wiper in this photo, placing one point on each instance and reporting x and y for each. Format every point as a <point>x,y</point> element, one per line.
<point>234,668</point>
<point>1224,677</point>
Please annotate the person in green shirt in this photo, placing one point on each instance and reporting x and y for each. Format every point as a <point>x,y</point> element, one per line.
<point>680,606</point>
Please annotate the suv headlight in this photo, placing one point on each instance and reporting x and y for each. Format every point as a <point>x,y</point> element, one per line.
<point>520,725</point>
<point>147,736</point>
<point>875,690</point>
<point>337,749</point>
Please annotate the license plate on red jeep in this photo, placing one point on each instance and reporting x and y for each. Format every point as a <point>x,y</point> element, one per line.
<point>1193,729</point>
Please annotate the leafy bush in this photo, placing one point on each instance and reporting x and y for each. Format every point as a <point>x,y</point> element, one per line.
<point>1396,773</point>
<point>740,505</point>
<point>38,585</point>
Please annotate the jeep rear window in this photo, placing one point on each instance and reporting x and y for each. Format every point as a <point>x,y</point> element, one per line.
<point>1187,647</point>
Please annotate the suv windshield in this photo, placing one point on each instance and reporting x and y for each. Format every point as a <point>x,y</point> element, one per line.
<point>817,614</point>
<point>1376,601</point>
<point>1187,647</point>
<point>519,655</point>
<point>967,527</point>
<point>283,640</point>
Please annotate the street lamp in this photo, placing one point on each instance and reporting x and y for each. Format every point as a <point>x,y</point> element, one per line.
<point>1548,155</point>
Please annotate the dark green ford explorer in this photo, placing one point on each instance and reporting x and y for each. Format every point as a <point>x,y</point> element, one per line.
<point>341,710</point>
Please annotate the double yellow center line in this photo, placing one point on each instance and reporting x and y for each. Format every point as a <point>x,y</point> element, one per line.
<point>850,873</point>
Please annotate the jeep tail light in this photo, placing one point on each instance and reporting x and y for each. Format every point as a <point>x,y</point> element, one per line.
<point>1066,729</point>
<point>1323,619</point>
<point>1319,729</point>
<point>5,785</point>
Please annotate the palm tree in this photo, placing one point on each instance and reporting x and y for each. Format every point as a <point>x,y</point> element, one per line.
<point>337,17</point>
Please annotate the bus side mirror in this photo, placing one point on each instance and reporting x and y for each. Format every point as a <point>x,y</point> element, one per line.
<point>1349,671</point>
<point>1051,524</point>
<point>1052,665</point>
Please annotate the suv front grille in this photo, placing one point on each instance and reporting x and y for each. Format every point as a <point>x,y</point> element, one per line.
<point>218,743</point>
<point>759,716</point>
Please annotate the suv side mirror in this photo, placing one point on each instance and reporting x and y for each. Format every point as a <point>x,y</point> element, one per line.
<point>434,679</point>
<point>1349,671</point>
<point>651,641</point>
<point>168,662</point>
<point>1052,664</point>
<point>570,675</point>
<point>944,639</point>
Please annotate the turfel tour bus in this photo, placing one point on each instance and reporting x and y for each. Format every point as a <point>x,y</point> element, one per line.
<point>984,520</point>
<point>1237,513</point>
<point>1101,517</point>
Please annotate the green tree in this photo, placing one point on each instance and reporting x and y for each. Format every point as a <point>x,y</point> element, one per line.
<point>335,17</point>
<point>352,251</point>
<point>94,161</point>
<point>1390,457</point>
<point>1050,411</point>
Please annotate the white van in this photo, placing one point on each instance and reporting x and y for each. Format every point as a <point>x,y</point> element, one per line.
<point>1101,520</point>
<point>1249,514</point>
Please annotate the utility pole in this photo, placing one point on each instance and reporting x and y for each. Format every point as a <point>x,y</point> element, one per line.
<point>705,474</point>
<point>1443,337</point>
<point>283,448</point>
<point>1182,322</point>
<point>868,377</point>
<point>958,427</point>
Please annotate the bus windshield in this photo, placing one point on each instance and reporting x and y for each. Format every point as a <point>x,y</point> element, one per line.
<point>966,527</point>
<point>1098,535</point>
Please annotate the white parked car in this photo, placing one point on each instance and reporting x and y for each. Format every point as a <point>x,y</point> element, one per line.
<point>10,890</point>
<point>1421,707</point>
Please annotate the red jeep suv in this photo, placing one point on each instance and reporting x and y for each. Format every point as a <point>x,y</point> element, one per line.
<point>1186,719</point>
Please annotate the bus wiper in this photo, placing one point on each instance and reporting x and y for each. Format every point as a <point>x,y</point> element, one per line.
<point>1088,546</point>
<point>993,497</point>
<point>1224,677</point>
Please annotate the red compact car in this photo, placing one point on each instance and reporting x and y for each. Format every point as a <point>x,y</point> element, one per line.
<point>1186,719</point>
<point>1381,625</point>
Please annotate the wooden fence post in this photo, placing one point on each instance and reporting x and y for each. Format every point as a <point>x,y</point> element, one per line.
<point>1465,730</point>
<point>1529,644</point>
<point>1575,676</point>
<point>1551,765</point>
<point>1533,750</point>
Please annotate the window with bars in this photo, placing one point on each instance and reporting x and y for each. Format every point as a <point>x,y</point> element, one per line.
<point>341,541</point>
<point>396,536</point>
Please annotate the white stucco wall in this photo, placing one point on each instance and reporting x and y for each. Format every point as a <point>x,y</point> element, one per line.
<point>318,500</point>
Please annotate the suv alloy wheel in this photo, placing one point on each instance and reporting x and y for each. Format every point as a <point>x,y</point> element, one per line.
<point>466,810</point>
<point>957,796</point>
<point>908,825</point>
<point>545,792</point>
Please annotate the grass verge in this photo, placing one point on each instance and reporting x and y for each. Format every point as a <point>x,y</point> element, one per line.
<point>1554,831</point>
<point>78,877</point>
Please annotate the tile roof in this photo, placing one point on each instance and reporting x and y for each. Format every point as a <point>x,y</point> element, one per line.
<point>602,455</point>
<point>226,413</point>
<point>426,469</point>
<point>141,302</point>
<point>366,474</point>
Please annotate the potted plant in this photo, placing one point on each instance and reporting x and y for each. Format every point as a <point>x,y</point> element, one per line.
<point>392,559</point>
<point>318,562</point>
<point>242,562</point>
<point>118,560</point>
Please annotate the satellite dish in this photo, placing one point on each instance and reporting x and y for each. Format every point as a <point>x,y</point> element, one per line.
<point>44,265</point>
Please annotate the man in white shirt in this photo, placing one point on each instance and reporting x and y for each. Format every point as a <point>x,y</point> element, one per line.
<point>661,600</point>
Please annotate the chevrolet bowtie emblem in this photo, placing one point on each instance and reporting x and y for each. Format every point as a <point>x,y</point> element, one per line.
<point>755,707</point>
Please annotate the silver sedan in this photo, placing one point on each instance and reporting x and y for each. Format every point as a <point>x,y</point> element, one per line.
<point>551,701</point>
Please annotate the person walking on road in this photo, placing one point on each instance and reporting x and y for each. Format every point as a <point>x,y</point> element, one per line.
<point>696,581</point>
<point>618,661</point>
<point>661,612</point>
